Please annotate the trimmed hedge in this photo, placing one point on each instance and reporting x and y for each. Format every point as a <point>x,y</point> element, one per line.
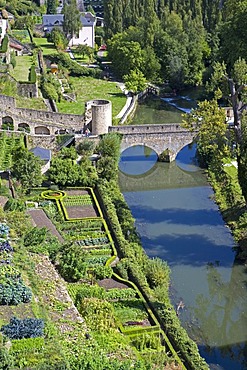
<point>32,78</point>
<point>4,45</point>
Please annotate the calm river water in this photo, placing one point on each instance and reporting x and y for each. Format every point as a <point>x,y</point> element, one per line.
<point>179,222</point>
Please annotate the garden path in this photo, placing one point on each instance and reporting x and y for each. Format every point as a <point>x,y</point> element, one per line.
<point>41,220</point>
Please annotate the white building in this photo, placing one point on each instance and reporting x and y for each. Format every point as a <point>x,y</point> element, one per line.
<point>86,33</point>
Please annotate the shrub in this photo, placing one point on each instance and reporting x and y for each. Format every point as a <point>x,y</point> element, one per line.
<point>26,328</point>
<point>35,236</point>
<point>72,265</point>
<point>99,314</point>
<point>32,75</point>
<point>102,272</point>
<point>12,289</point>
<point>14,292</point>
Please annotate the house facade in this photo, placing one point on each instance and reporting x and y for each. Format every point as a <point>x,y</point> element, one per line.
<point>86,33</point>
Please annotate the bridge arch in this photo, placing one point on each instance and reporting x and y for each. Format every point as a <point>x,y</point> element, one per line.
<point>41,130</point>
<point>189,142</point>
<point>126,146</point>
<point>7,123</point>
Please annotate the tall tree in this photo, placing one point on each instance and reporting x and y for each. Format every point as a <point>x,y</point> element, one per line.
<point>209,119</point>
<point>71,23</point>
<point>26,168</point>
<point>51,7</point>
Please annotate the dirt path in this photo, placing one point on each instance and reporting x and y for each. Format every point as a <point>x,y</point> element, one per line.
<point>41,220</point>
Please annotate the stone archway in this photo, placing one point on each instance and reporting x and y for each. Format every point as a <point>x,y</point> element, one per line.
<point>41,130</point>
<point>24,127</point>
<point>7,123</point>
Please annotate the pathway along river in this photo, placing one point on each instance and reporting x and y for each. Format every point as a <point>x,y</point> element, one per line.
<point>179,222</point>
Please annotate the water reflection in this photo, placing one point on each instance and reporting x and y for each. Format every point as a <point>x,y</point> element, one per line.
<point>179,222</point>
<point>186,158</point>
<point>137,160</point>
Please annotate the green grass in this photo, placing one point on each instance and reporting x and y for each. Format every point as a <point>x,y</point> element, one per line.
<point>21,70</point>
<point>89,88</point>
<point>21,35</point>
<point>47,47</point>
<point>35,103</point>
<point>232,171</point>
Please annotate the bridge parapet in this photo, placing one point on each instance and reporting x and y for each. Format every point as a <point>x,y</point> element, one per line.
<point>145,129</point>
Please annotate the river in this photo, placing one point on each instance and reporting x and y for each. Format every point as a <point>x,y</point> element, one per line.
<point>179,222</point>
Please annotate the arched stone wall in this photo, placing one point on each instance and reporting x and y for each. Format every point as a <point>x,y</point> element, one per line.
<point>23,127</point>
<point>42,130</point>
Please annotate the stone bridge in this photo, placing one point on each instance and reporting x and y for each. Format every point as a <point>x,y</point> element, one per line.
<point>167,137</point>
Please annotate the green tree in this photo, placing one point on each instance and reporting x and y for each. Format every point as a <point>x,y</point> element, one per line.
<point>135,81</point>
<point>26,168</point>
<point>59,40</point>
<point>51,6</point>
<point>209,120</point>
<point>63,172</point>
<point>125,55</point>
<point>232,87</point>
<point>71,23</point>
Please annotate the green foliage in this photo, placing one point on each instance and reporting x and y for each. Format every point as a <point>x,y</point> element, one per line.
<point>6,361</point>
<point>209,118</point>
<point>14,205</point>
<point>4,44</point>
<point>57,37</point>
<point>157,272</point>
<point>102,272</point>
<point>64,61</point>
<point>26,328</point>
<point>50,86</point>
<point>32,75</point>
<point>72,23</point>
<point>72,262</point>
<point>51,6</point>
<point>12,289</point>
<point>242,161</point>
<point>98,314</point>
<point>109,148</point>
<point>26,168</point>
<point>13,59</point>
<point>135,81</point>
<point>35,236</point>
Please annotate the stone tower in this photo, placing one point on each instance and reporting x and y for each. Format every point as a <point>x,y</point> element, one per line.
<point>101,111</point>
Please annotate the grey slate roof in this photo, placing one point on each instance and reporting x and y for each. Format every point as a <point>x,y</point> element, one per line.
<point>42,153</point>
<point>48,20</point>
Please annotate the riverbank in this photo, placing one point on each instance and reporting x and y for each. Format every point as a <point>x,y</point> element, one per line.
<point>228,196</point>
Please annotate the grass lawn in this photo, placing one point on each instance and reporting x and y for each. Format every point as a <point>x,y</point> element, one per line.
<point>232,171</point>
<point>47,47</point>
<point>88,88</point>
<point>21,35</point>
<point>35,103</point>
<point>21,70</point>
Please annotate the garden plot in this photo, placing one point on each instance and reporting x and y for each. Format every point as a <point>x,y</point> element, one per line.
<point>79,206</point>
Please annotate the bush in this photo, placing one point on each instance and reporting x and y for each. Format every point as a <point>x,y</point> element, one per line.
<point>72,265</point>
<point>12,289</point>
<point>32,75</point>
<point>14,292</point>
<point>102,272</point>
<point>26,328</point>
<point>35,236</point>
